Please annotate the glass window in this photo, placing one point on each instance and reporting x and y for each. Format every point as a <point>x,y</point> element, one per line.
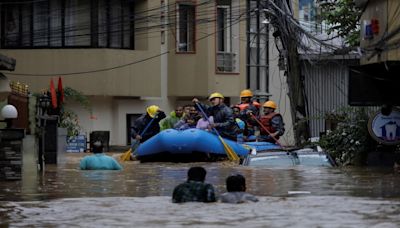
<point>102,23</point>
<point>186,28</point>
<point>11,25</point>
<point>55,23</point>
<point>223,29</point>
<point>40,24</point>
<point>115,24</point>
<point>257,47</point>
<point>26,12</point>
<point>77,23</point>
<point>227,45</point>
<point>128,26</point>
<point>69,23</point>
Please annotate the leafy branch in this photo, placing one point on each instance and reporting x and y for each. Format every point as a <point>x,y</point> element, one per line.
<point>344,19</point>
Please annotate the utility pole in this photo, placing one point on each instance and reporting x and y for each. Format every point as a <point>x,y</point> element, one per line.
<point>287,34</point>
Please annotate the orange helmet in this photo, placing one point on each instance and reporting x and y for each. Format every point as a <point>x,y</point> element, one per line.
<point>270,104</point>
<point>246,93</point>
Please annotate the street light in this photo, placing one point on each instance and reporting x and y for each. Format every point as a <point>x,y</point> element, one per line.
<point>9,112</point>
<point>44,103</point>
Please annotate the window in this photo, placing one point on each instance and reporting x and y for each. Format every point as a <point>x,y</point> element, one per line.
<point>257,47</point>
<point>223,29</point>
<point>68,23</point>
<point>227,47</point>
<point>186,28</point>
<point>77,23</point>
<point>11,25</point>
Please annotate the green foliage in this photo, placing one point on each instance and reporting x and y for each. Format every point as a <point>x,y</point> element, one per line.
<point>350,142</point>
<point>343,17</point>
<point>75,95</point>
<point>69,119</point>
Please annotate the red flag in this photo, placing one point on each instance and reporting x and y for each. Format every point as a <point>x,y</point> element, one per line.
<point>53,94</point>
<point>60,90</point>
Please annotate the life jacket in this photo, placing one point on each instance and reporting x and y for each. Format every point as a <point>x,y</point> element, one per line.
<point>244,106</point>
<point>266,122</point>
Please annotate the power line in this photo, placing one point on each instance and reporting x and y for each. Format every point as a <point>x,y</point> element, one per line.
<point>79,31</point>
<point>127,64</point>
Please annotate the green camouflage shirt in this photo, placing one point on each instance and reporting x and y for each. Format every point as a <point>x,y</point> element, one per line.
<point>193,191</point>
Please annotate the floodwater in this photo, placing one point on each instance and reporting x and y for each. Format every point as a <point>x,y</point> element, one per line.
<point>140,196</point>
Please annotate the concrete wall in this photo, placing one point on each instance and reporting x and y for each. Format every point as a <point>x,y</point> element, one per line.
<point>127,81</point>
<point>194,74</point>
<point>386,12</point>
<point>109,114</point>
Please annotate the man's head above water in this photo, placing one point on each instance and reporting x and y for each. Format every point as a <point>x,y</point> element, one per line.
<point>197,174</point>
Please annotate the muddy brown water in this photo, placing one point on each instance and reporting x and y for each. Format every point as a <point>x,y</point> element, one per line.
<point>140,195</point>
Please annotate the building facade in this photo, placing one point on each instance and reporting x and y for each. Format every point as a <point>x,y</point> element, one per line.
<point>125,55</point>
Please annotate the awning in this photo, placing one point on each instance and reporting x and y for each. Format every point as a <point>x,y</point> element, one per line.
<point>375,84</point>
<point>7,63</point>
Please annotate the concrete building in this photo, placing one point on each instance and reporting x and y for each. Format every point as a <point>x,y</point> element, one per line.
<point>126,55</point>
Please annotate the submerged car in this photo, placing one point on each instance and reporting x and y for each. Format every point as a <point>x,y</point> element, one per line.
<point>286,158</point>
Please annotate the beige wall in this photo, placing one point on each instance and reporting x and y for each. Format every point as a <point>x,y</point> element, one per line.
<point>195,74</point>
<point>394,23</point>
<point>127,81</point>
<point>387,14</point>
<point>109,114</point>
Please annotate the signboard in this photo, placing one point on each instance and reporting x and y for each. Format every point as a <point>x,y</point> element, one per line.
<point>385,129</point>
<point>76,144</point>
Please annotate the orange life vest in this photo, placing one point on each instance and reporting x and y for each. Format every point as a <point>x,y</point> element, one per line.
<point>266,121</point>
<point>244,106</point>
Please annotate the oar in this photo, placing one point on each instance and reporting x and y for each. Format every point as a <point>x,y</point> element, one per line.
<point>127,155</point>
<point>228,150</point>
<point>262,125</point>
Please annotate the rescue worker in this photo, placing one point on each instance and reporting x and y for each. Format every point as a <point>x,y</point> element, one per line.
<point>99,160</point>
<point>272,121</point>
<point>141,123</point>
<point>172,119</point>
<point>247,105</point>
<point>224,122</point>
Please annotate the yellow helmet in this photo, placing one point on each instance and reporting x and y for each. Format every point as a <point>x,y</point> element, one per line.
<point>215,95</point>
<point>152,110</point>
<point>246,93</point>
<point>270,104</point>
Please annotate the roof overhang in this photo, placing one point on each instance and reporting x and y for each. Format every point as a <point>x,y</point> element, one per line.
<point>7,63</point>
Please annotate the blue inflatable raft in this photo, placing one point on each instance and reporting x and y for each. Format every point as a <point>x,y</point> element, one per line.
<point>187,145</point>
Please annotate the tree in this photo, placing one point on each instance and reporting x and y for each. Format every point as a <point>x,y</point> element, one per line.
<point>343,18</point>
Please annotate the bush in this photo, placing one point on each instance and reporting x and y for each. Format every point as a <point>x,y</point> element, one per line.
<point>350,142</point>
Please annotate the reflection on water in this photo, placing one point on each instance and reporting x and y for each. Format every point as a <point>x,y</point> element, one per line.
<point>365,196</point>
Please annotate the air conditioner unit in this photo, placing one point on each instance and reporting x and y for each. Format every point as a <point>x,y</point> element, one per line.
<point>226,62</point>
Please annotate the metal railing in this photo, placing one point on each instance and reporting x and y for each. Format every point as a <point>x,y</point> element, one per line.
<point>226,62</point>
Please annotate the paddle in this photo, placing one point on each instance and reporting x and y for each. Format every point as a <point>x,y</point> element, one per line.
<point>127,155</point>
<point>259,122</point>
<point>228,150</point>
